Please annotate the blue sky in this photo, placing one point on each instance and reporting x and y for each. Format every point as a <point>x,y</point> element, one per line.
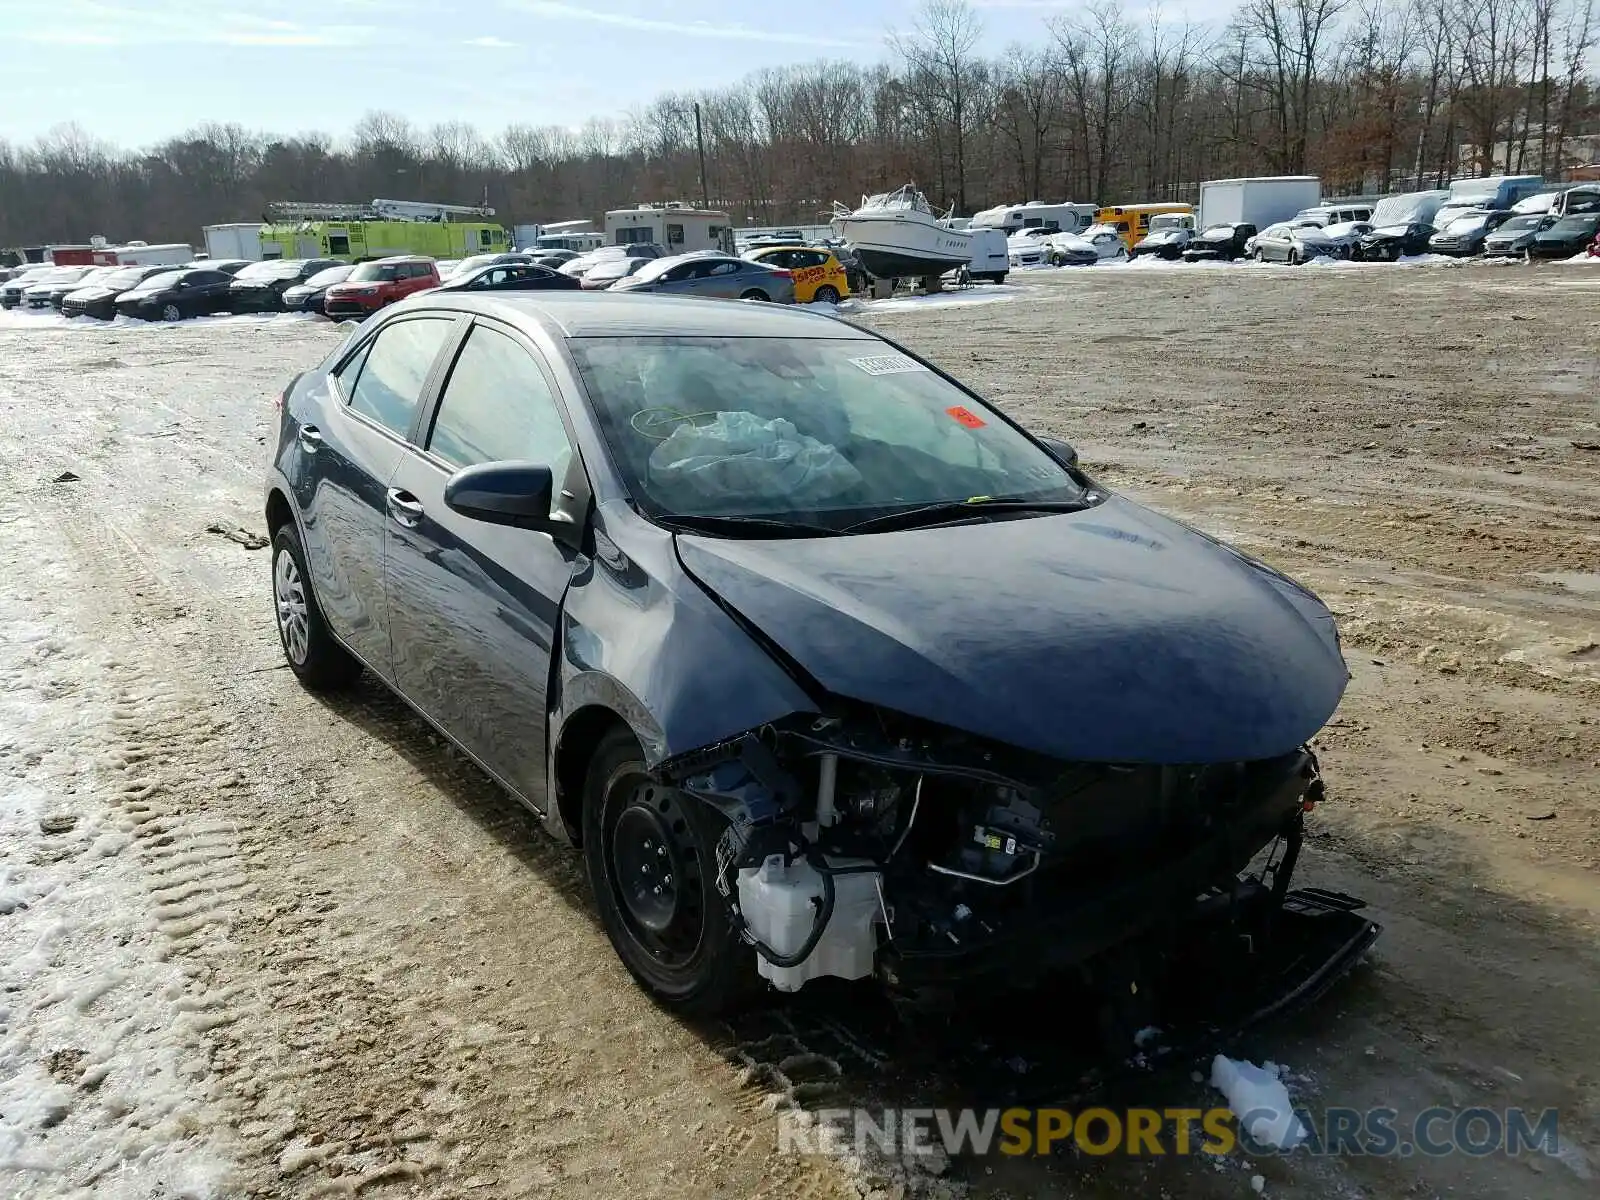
<point>136,71</point>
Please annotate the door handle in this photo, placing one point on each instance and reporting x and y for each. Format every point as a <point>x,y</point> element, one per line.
<point>405,508</point>
<point>310,439</point>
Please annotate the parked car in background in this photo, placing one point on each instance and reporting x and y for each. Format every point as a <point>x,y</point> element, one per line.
<point>608,271</point>
<point>98,298</point>
<point>1453,210</point>
<point>1026,248</point>
<point>1169,236</point>
<point>509,277</point>
<point>11,291</point>
<point>228,266</point>
<point>818,275</point>
<point>49,290</point>
<point>1222,241</point>
<point>175,295</point>
<point>373,285</point>
<point>1389,243</point>
<point>446,266</point>
<point>1344,235</point>
<point>1467,233</point>
<point>1293,242</point>
<point>1567,237</point>
<point>710,276</point>
<point>553,257</point>
<point>1332,214</point>
<point>1095,244</point>
<point>308,295</point>
<point>260,286</point>
<point>581,265</point>
<point>1516,234</point>
<point>473,262</point>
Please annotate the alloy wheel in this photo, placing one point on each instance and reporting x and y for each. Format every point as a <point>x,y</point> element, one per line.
<point>290,593</point>
<point>171,312</point>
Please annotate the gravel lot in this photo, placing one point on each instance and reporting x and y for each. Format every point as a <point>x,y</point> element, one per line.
<point>252,943</point>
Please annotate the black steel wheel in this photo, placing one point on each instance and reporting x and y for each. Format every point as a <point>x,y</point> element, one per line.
<point>650,854</point>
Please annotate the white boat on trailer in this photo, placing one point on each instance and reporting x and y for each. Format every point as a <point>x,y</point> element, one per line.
<point>896,235</point>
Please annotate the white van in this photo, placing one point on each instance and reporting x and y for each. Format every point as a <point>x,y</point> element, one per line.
<point>990,256</point>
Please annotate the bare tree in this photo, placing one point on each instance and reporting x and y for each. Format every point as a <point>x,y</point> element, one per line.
<point>947,76</point>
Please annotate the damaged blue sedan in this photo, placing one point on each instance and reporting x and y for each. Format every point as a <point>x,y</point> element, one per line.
<point>829,667</point>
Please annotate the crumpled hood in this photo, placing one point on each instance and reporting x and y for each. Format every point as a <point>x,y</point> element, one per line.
<point>1113,634</point>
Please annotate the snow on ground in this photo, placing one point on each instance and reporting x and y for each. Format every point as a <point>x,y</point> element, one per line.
<point>17,318</point>
<point>1259,1099</point>
<point>96,1059</point>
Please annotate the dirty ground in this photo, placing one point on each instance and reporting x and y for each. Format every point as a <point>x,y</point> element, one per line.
<point>256,943</point>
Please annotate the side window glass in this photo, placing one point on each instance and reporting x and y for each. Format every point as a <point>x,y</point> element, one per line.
<point>497,406</point>
<point>724,268</point>
<point>389,382</point>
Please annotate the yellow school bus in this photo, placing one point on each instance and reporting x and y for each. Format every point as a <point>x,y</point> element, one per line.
<point>1132,221</point>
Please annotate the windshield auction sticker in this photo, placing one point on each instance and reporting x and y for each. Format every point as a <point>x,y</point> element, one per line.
<point>887,364</point>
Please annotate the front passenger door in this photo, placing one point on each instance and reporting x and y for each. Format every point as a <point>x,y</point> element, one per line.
<point>473,607</point>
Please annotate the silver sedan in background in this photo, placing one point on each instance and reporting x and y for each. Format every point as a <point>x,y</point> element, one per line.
<point>713,276</point>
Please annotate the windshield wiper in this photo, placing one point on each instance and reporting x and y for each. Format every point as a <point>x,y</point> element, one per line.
<point>932,514</point>
<point>768,526</point>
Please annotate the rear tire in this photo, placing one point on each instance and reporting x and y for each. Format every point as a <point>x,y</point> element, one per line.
<point>827,294</point>
<point>318,661</point>
<point>650,854</point>
<point>755,294</point>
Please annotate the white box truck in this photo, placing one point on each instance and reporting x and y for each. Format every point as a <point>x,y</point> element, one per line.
<point>1261,201</point>
<point>240,239</point>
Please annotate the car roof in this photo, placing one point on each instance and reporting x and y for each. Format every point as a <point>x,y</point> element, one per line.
<point>400,258</point>
<point>573,314</point>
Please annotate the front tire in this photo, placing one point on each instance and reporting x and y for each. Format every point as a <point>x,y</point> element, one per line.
<point>650,854</point>
<point>171,312</point>
<point>317,660</point>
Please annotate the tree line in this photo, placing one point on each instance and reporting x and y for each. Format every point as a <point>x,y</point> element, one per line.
<point>1372,95</point>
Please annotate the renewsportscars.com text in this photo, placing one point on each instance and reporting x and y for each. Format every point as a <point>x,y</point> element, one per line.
<point>1343,1132</point>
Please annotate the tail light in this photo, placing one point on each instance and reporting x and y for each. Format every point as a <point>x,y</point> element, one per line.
<point>782,273</point>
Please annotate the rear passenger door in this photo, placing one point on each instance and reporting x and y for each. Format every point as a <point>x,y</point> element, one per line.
<point>473,607</point>
<point>351,435</point>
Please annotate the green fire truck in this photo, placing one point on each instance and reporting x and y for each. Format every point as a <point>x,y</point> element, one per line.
<point>356,232</point>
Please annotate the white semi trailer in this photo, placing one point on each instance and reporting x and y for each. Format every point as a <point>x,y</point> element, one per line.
<point>238,239</point>
<point>1260,201</point>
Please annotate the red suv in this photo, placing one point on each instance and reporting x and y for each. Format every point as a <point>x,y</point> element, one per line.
<point>372,285</point>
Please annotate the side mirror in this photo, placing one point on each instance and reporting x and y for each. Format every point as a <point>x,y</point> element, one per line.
<point>1066,454</point>
<point>506,493</point>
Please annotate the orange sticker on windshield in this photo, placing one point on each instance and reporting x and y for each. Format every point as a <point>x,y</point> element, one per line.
<point>967,417</point>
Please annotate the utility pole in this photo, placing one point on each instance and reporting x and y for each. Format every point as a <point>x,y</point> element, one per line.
<point>700,142</point>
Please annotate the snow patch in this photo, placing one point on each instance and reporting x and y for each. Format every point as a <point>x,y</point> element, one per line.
<point>1259,1099</point>
<point>987,293</point>
<point>99,1079</point>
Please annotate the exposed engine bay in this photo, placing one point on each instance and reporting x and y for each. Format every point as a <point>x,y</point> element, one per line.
<point>864,843</point>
